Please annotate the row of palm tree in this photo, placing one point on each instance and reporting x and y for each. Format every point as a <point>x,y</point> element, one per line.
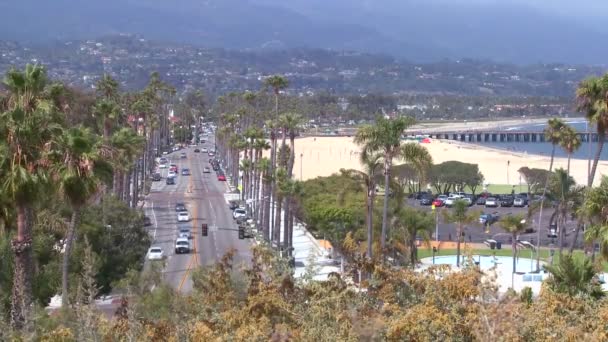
<point>42,152</point>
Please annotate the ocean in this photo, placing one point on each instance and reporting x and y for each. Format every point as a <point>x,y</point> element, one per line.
<point>545,148</point>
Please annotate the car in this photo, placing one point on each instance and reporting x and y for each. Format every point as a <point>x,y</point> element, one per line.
<point>183,216</point>
<point>182,246</point>
<point>162,166</point>
<point>184,232</point>
<point>239,212</point>
<point>491,202</point>
<point>519,202</point>
<point>206,170</point>
<point>426,200</point>
<point>171,174</point>
<point>553,231</point>
<point>467,199</point>
<point>183,155</point>
<point>450,201</point>
<point>156,177</point>
<point>204,150</point>
<point>438,202</point>
<point>480,200</point>
<point>211,153</point>
<point>506,201</point>
<point>221,177</point>
<point>147,221</point>
<point>170,181</point>
<point>185,172</point>
<point>197,150</point>
<point>179,206</point>
<point>155,253</point>
<point>488,219</point>
<point>233,205</point>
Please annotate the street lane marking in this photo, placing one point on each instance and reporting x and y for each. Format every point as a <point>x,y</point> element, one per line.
<point>155,221</point>
<point>194,256</point>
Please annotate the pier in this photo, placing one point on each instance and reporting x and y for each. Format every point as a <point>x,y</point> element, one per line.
<point>497,136</point>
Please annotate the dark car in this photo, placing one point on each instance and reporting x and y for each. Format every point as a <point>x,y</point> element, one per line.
<point>481,200</point>
<point>488,219</point>
<point>170,181</point>
<point>197,150</point>
<point>180,207</point>
<point>147,221</point>
<point>185,172</point>
<point>233,205</point>
<point>506,201</point>
<point>156,177</point>
<point>426,200</point>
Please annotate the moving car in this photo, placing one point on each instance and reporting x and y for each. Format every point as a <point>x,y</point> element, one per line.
<point>204,150</point>
<point>183,155</point>
<point>170,181</point>
<point>155,253</point>
<point>488,219</point>
<point>491,202</point>
<point>196,150</point>
<point>147,221</point>
<point>185,233</point>
<point>173,167</point>
<point>206,170</point>
<point>221,177</point>
<point>183,216</point>
<point>185,172</point>
<point>211,153</point>
<point>239,212</point>
<point>182,246</point>
<point>162,166</point>
<point>180,207</point>
<point>156,177</point>
<point>171,174</point>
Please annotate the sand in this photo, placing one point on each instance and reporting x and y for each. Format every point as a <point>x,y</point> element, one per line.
<point>323,156</point>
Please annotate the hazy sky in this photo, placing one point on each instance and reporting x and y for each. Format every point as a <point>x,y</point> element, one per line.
<point>565,7</point>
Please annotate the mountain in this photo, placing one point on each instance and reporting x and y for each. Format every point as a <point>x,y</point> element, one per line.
<point>413,29</point>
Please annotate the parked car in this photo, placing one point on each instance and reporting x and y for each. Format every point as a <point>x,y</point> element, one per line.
<point>182,246</point>
<point>426,200</point>
<point>553,231</point>
<point>506,201</point>
<point>211,153</point>
<point>239,212</point>
<point>206,170</point>
<point>438,202</point>
<point>196,150</point>
<point>480,200</point>
<point>147,221</point>
<point>488,219</point>
<point>170,181</point>
<point>180,207</point>
<point>204,150</point>
<point>233,204</point>
<point>221,177</point>
<point>155,253</point>
<point>183,155</point>
<point>519,202</point>
<point>183,216</point>
<point>467,199</point>
<point>491,202</point>
<point>185,172</point>
<point>450,201</point>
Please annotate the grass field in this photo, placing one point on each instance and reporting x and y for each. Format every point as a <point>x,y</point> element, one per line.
<point>505,251</point>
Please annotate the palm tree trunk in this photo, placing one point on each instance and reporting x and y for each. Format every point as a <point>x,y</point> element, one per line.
<point>266,209</point>
<point>127,187</point>
<point>70,237</point>
<point>561,227</point>
<point>387,178</point>
<point>458,236</point>
<point>21,298</point>
<point>600,145</point>
<point>370,226</point>
<point>568,168</point>
<point>276,232</point>
<point>542,203</point>
<point>514,251</point>
<point>273,162</point>
<point>135,197</point>
<point>286,224</point>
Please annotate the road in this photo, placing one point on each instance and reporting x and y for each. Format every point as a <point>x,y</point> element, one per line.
<point>203,195</point>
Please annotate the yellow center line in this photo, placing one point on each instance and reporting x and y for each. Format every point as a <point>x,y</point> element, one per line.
<point>194,255</point>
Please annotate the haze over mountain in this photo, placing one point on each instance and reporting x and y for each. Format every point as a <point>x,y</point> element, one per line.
<point>520,31</point>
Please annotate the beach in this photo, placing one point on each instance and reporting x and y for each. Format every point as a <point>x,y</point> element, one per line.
<point>323,156</point>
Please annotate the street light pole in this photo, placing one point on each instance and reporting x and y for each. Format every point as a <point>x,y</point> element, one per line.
<point>301,161</point>
<point>436,223</point>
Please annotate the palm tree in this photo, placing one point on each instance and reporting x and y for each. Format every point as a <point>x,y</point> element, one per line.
<point>107,88</point>
<point>410,224</point>
<point>26,128</point>
<point>553,134</point>
<point>372,164</point>
<point>277,83</point>
<point>79,168</point>
<point>385,136</point>
<point>260,145</point>
<point>266,179</point>
<point>574,277</point>
<point>514,225</point>
<point>419,157</point>
<point>127,146</point>
<point>568,196</point>
<point>570,142</point>
<point>595,209</point>
<point>461,216</point>
<point>592,99</point>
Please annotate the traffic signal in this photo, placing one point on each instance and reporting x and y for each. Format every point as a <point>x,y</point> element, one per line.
<point>241,232</point>
<point>205,229</point>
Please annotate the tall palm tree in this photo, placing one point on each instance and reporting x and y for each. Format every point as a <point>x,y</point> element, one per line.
<point>260,145</point>
<point>595,210</point>
<point>553,134</point>
<point>419,157</point>
<point>79,168</point>
<point>384,136</point>
<point>568,196</point>
<point>592,99</point>
<point>107,88</point>
<point>514,225</point>
<point>372,164</point>
<point>408,225</point>
<point>291,124</point>
<point>266,179</point>
<point>570,142</point>
<point>27,127</point>
<point>461,216</point>
<point>277,83</point>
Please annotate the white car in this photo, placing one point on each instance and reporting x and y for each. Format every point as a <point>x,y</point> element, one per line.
<point>239,212</point>
<point>183,216</point>
<point>450,201</point>
<point>204,150</point>
<point>155,253</point>
<point>162,166</point>
<point>491,202</point>
<point>171,174</point>
<point>206,170</point>
<point>182,245</point>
